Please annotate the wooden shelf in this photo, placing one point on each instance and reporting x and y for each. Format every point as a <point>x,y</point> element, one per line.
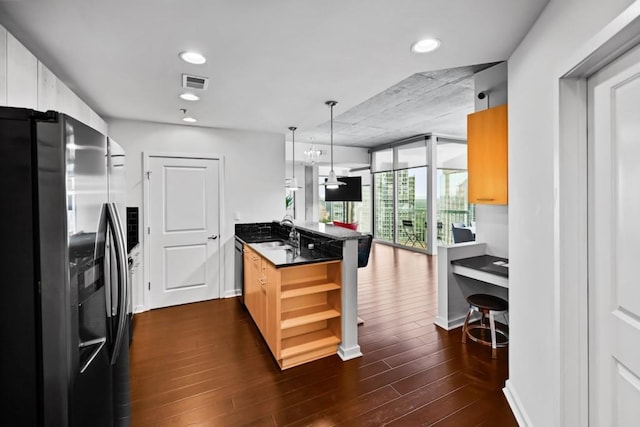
<point>297,309</point>
<point>294,318</point>
<point>299,289</point>
<point>308,342</point>
<point>311,278</point>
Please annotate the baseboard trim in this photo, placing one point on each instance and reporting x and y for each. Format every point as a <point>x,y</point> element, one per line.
<point>232,293</point>
<point>516,405</point>
<point>448,325</point>
<point>140,309</point>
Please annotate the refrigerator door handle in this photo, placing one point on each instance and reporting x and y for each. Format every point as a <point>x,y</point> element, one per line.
<point>98,343</point>
<point>121,262</point>
<point>103,229</point>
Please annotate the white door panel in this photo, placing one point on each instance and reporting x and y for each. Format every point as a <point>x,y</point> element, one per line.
<point>628,390</point>
<point>185,266</point>
<point>184,220</point>
<point>185,210</point>
<point>614,234</point>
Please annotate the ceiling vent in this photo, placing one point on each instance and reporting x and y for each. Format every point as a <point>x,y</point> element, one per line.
<point>195,82</point>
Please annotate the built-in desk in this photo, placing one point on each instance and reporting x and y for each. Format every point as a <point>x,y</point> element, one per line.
<point>485,268</point>
<point>464,269</point>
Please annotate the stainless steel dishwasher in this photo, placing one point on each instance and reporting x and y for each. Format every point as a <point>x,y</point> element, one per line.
<point>239,270</point>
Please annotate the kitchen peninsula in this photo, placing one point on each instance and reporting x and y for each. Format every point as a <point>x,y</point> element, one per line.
<point>304,301</point>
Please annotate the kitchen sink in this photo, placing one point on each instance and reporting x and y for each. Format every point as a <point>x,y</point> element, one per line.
<point>276,244</point>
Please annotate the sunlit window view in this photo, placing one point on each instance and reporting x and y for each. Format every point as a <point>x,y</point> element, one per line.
<point>411,194</point>
<point>453,207</point>
<point>401,201</point>
<point>383,206</point>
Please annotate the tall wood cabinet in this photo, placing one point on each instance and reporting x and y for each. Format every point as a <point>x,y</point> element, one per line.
<point>297,309</point>
<point>487,156</point>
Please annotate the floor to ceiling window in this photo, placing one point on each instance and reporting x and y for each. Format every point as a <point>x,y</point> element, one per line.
<point>452,195</point>
<point>383,206</point>
<point>411,196</point>
<point>453,205</point>
<point>402,201</point>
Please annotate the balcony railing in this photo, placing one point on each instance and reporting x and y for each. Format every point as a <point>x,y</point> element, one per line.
<point>446,218</point>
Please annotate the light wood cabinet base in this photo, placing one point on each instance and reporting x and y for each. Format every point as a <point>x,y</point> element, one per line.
<point>297,309</point>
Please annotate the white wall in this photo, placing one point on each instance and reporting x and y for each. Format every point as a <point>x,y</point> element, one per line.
<point>492,221</point>
<point>254,173</point>
<point>27,83</point>
<point>534,361</point>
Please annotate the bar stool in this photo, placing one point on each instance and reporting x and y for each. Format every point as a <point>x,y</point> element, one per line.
<point>488,306</point>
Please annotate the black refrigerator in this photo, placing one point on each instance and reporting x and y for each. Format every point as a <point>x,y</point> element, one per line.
<point>63,271</point>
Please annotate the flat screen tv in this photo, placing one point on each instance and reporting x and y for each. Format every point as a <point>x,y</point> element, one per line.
<point>351,192</point>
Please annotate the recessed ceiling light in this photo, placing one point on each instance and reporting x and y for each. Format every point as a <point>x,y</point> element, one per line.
<point>425,45</point>
<point>189,119</point>
<point>189,96</point>
<point>193,58</point>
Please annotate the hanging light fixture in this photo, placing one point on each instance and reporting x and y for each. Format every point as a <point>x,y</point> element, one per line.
<point>293,183</point>
<point>332,181</point>
<point>312,155</point>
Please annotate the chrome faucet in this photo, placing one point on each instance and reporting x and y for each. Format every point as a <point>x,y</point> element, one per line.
<point>294,236</point>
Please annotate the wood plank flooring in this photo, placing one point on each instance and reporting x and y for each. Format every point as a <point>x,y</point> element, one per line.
<point>206,364</point>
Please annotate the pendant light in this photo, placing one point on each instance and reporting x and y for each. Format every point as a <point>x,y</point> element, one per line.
<point>332,181</point>
<point>293,183</point>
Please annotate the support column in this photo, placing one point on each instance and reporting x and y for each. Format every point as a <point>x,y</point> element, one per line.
<point>432,195</point>
<point>349,348</point>
<point>311,200</point>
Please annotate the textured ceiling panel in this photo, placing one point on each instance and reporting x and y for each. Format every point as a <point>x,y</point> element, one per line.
<point>428,102</point>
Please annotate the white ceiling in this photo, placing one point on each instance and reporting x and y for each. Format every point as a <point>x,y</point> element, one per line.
<point>271,63</point>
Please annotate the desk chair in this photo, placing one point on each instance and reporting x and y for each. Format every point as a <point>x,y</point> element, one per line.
<point>407,227</point>
<point>462,235</point>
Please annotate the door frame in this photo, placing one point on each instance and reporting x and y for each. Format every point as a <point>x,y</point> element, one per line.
<point>146,254</point>
<point>570,211</point>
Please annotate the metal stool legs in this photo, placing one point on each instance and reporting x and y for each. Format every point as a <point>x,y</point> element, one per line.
<point>485,310</point>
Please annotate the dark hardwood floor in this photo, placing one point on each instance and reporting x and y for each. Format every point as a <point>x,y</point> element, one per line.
<point>206,364</point>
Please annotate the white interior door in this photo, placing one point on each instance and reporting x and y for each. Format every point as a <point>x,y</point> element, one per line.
<point>614,243</point>
<point>184,236</point>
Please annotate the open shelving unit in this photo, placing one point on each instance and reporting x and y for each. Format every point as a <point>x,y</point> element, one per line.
<point>297,309</point>
<point>310,312</point>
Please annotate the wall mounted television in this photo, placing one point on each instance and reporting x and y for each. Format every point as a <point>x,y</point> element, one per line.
<point>351,192</point>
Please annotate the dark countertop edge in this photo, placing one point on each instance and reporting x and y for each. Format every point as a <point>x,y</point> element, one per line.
<point>303,261</point>
<point>306,262</point>
<point>328,230</point>
<point>487,267</point>
<point>322,257</point>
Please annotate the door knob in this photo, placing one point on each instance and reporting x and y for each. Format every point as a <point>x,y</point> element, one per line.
<point>213,237</point>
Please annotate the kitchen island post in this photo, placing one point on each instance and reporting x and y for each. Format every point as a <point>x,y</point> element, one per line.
<point>349,347</point>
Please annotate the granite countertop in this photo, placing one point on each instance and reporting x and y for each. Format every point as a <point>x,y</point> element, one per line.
<point>284,257</point>
<point>487,263</point>
<point>328,230</point>
<point>280,257</point>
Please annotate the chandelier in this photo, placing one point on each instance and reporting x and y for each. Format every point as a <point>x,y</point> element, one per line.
<point>312,155</point>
